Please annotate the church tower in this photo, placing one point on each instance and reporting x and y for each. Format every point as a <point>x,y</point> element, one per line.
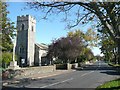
<point>25,45</point>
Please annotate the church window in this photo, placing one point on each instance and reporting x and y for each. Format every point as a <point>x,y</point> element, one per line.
<point>22,26</point>
<point>21,49</point>
<point>32,28</point>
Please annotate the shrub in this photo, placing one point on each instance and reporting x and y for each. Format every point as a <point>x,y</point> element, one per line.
<point>6,58</point>
<point>61,66</point>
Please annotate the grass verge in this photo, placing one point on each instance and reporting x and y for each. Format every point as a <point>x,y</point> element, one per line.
<point>111,85</point>
<point>114,65</point>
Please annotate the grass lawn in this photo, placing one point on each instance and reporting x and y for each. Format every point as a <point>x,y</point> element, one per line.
<point>112,85</point>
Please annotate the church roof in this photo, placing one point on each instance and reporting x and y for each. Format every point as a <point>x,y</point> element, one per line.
<point>44,54</point>
<point>42,46</point>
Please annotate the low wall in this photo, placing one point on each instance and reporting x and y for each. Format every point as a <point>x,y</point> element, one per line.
<point>40,69</point>
<point>67,66</point>
<point>72,66</point>
<point>61,66</point>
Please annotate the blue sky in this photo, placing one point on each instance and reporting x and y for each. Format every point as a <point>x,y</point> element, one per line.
<point>46,30</point>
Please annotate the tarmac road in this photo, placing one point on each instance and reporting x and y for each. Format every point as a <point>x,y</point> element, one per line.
<point>90,76</point>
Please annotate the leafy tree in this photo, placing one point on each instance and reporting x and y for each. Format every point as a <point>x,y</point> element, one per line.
<point>90,37</point>
<point>66,48</point>
<point>71,48</point>
<point>7,29</point>
<point>106,14</point>
<point>108,48</point>
<point>6,35</point>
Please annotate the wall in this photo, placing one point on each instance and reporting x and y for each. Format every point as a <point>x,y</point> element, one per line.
<point>34,70</point>
<point>67,66</point>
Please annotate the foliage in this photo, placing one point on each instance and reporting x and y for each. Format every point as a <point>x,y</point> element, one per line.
<point>90,37</point>
<point>7,29</point>
<point>71,48</point>
<point>108,47</point>
<point>6,35</point>
<point>86,53</point>
<point>61,66</point>
<point>6,58</point>
<point>114,65</point>
<point>58,61</point>
<point>66,48</point>
<point>103,14</point>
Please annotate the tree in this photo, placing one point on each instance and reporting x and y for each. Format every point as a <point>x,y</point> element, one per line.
<point>66,48</point>
<point>72,48</point>
<point>7,29</point>
<point>90,37</point>
<point>7,34</point>
<point>105,13</point>
<point>108,48</point>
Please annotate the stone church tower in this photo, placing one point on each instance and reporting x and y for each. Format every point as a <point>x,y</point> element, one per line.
<point>25,45</point>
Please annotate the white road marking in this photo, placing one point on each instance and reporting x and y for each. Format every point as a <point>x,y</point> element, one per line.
<point>87,73</point>
<point>56,83</point>
<point>64,80</point>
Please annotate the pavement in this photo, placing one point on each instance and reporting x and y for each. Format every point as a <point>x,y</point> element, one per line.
<point>20,78</point>
<point>91,76</point>
<point>34,76</point>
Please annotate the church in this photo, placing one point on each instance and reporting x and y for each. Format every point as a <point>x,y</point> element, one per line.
<point>27,51</point>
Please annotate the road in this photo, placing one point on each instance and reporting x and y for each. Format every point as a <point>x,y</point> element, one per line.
<point>90,76</point>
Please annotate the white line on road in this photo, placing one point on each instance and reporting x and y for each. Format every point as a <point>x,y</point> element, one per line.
<point>87,73</point>
<point>64,81</point>
<point>56,83</point>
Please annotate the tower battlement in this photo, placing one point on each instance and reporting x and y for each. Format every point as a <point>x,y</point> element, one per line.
<point>26,25</point>
<point>26,17</point>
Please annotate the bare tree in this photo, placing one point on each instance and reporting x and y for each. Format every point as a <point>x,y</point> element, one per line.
<point>105,13</point>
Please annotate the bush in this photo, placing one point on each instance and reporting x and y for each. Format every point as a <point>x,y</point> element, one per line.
<point>61,66</point>
<point>6,58</point>
<point>58,61</point>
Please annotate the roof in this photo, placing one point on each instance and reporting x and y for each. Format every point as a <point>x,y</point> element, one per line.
<point>42,46</point>
<point>44,54</point>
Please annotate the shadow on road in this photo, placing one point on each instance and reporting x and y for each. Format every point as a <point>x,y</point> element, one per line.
<point>102,68</point>
<point>11,88</point>
<point>111,72</point>
<point>95,67</point>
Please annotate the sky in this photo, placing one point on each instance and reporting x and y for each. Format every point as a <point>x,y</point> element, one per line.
<point>46,30</point>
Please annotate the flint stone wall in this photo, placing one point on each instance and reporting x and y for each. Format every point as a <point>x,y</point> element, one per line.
<point>35,70</point>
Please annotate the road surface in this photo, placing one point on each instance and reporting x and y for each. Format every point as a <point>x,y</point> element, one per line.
<point>90,76</point>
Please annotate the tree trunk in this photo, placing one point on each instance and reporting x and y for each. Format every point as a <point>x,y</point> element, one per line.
<point>118,59</point>
<point>114,58</point>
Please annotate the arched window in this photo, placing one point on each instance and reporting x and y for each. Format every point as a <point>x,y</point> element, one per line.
<point>22,26</point>
<point>32,28</point>
<point>21,49</point>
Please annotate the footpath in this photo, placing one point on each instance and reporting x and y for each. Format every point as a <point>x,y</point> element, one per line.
<point>18,79</point>
<point>27,77</point>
